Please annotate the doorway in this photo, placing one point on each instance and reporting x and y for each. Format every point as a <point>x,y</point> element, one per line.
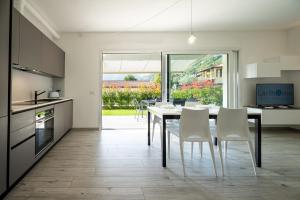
<point>127,80</point>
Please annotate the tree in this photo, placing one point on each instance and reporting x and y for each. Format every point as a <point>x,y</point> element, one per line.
<point>157,78</point>
<point>130,77</point>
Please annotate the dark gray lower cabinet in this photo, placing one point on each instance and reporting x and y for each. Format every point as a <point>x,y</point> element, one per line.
<point>22,158</point>
<point>22,138</point>
<point>68,115</point>
<point>63,119</point>
<point>3,154</point>
<point>22,144</point>
<point>59,121</point>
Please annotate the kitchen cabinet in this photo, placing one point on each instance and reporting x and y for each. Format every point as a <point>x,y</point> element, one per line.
<point>63,119</point>
<point>53,58</point>
<point>22,134</point>
<point>5,12</point>
<point>59,121</point>
<point>22,144</point>
<point>22,157</point>
<point>4,55</point>
<point>3,153</point>
<point>32,50</point>
<point>30,45</point>
<point>15,37</point>
<point>22,120</point>
<point>68,115</point>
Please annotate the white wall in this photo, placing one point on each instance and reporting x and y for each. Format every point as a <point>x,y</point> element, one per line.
<point>83,58</point>
<point>24,84</point>
<point>294,49</point>
<point>294,41</point>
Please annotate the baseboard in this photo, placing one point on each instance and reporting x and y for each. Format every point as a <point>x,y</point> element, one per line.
<point>86,129</point>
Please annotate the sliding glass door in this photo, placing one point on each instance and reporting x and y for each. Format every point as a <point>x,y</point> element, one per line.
<point>198,77</point>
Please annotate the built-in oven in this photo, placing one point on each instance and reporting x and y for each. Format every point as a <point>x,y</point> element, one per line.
<point>44,129</point>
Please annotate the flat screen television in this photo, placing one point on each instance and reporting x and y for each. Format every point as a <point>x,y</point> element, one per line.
<point>278,94</point>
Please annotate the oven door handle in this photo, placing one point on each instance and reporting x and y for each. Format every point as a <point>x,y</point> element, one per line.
<point>44,120</point>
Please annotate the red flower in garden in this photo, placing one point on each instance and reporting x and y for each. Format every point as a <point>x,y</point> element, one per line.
<point>197,85</point>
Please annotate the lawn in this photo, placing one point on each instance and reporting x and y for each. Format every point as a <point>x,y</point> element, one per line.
<point>119,112</point>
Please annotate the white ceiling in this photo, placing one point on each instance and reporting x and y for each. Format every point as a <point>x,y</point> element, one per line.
<point>130,15</point>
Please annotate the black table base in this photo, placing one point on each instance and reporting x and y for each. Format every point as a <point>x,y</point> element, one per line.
<point>256,117</point>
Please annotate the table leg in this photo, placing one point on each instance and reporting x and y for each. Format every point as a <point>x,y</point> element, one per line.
<point>163,143</point>
<point>149,119</point>
<point>215,141</point>
<point>258,141</point>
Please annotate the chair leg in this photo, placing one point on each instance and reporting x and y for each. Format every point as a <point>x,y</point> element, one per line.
<point>221,156</point>
<point>252,156</point>
<point>192,149</point>
<point>182,156</point>
<point>212,156</point>
<point>225,149</point>
<point>169,144</point>
<point>153,128</point>
<point>138,114</point>
<point>201,148</point>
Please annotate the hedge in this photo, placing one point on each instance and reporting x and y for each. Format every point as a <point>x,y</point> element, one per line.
<point>206,95</point>
<point>116,98</point>
<point>113,99</point>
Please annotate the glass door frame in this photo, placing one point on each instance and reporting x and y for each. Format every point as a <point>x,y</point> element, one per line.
<point>232,74</point>
<point>103,52</point>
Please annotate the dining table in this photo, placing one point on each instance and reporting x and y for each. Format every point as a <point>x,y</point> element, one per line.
<point>175,112</point>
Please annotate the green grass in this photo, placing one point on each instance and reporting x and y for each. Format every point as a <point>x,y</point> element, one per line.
<point>119,112</point>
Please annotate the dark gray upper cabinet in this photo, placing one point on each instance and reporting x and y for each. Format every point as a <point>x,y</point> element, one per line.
<point>33,50</point>
<point>30,45</point>
<point>53,58</point>
<point>15,37</point>
<point>4,55</point>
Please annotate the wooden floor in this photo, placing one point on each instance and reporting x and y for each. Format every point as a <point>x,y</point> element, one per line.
<point>117,164</point>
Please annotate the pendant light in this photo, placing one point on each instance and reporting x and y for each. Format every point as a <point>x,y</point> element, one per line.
<point>192,38</point>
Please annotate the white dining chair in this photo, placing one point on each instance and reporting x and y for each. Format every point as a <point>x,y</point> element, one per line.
<point>194,104</point>
<point>232,125</point>
<point>193,127</point>
<point>156,119</point>
<point>138,109</point>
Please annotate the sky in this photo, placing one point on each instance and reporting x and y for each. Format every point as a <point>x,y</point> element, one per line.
<point>117,77</point>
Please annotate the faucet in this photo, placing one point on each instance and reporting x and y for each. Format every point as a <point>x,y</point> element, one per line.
<point>36,94</point>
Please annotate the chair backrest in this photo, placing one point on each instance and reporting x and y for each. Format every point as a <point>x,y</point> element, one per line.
<point>194,122</point>
<point>179,102</point>
<point>192,104</point>
<point>232,123</point>
<point>135,102</point>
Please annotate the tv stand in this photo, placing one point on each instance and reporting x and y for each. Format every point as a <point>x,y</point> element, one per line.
<point>278,116</point>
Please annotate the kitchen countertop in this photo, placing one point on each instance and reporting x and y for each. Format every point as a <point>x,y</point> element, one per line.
<point>22,108</point>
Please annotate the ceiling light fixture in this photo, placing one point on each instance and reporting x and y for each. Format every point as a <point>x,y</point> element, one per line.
<point>192,38</point>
